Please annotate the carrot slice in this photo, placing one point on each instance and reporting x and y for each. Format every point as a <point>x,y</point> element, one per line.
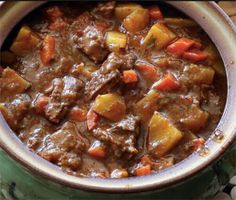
<point>195,55</point>
<point>48,50</point>
<point>168,83</point>
<point>155,13</point>
<point>148,71</point>
<point>78,114</point>
<point>146,160</point>
<point>97,150</point>
<point>130,76</point>
<point>142,171</point>
<point>92,119</point>
<point>41,104</point>
<point>180,46</point>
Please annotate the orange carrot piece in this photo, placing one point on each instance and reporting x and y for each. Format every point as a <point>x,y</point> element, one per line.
<point>168,83</point>
<point>92,119</point>
<point>195,55</point>
<point>97,150</point>
<point>48,50</point>
<point>41,104</point>
<point>180,46</point>
<point>155,13</point>
<point>146,160</point>
<point>142,171</point>
<point>148,71</point>
<point>130,76</point>
<point>78,114</point>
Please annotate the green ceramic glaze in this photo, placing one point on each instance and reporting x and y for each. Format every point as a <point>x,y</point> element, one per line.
<point>16,183</point>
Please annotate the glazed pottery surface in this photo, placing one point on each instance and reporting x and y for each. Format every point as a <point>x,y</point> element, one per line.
<point>25,176</point>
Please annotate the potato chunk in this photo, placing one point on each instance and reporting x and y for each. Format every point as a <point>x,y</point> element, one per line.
<point>137,20</point>
<point>160,35</point>
<point>199,75</point>
<point>123,10</point>
<point>163,136</point>
<point>25,41</point>
<point>195,119</point>
<point>145,107</point>
<point>215,59</point>
<point>110,106</point>
<point>12,83</point>
<point>116,40</point>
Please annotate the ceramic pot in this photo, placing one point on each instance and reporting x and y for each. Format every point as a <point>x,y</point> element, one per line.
<point>26,176</point>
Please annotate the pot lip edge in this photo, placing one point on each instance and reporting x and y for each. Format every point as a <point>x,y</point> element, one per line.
<point>124,189</point>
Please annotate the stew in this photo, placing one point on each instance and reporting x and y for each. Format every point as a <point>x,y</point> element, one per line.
<point>111,89</point>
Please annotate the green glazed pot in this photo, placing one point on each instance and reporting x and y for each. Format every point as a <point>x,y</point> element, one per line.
<point>26,176</point>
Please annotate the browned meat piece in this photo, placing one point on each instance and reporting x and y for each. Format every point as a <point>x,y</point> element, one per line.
<point>120,136</point>
<point>118,142</point>
<point>64,94</point>
<point>101,82</point>
<point>117,61</point>
<point>14,112</point>
<point>106,9</point>
<point>64,147</point>
<point>91,42</point>
<point>82,21</point>
<point>130,123</point>
<point>20,105</point>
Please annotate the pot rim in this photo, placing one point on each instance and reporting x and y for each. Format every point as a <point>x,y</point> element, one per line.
<point>179,172</point>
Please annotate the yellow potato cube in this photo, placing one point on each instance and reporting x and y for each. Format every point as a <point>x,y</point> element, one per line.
<point>160,35</point>
<point>163,136</point>
<point>137,20</point>
<point>123,10</point>
<point>116,40</point>
<point>25,41</point>
<point>110,106</point>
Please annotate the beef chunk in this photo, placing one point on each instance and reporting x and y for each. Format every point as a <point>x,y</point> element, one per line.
<point>14,112</point>
<point>20,105</point>
<point>64,147</point>
<point>91,42</point>
<point>120,136</point>
<point>118,61</point>
<point>106,9</point>
<point>118,142</point>
<point>82,21</point>
<point>130,123</point>
<point>64,94</point>
<point>101,82</point>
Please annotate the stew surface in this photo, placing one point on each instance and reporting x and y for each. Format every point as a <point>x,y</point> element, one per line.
<point>111,90</point>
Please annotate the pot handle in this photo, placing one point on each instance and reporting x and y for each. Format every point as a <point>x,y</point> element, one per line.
<point>225,168</point>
